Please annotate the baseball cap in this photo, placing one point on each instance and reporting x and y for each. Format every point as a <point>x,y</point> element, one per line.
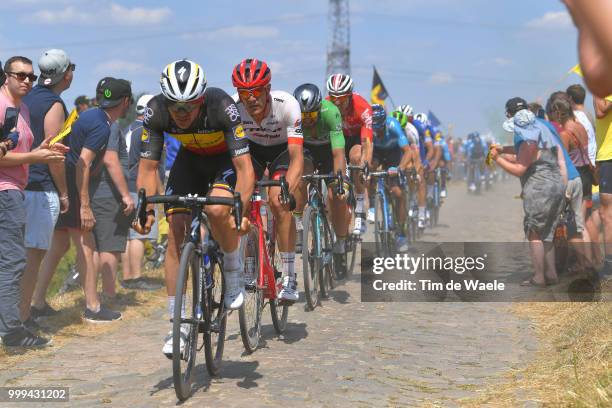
<point>52,64</point>
<point>110,91</point>
<point>80,100</point>
<point>141,105</point>
<point>515,104</point>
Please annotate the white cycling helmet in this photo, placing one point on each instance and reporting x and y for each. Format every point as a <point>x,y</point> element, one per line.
<point>183,81</point>
<point>339,84</point>
<point>141,105</point>
<point>421,117</point>
<point>406,110</point>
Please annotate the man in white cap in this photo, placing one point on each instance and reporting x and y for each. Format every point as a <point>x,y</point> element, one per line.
<point>46,193</point>
<point>132,258</point>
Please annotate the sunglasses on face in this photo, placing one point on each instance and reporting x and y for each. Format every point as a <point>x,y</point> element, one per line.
<point>310,115</point>
<point>21,76</point>
<point>340,98</point>
<point>72,67</point>
<point>186,107</point>
<point>245,93</point>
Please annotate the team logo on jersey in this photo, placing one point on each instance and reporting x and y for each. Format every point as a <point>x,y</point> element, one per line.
<point>148,114</point>
<point>232,112</point>
<point>145,136</point>
<point>238,132</point>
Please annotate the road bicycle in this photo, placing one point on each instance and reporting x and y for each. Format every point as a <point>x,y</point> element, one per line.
<point>262,268</point>
<point>200,286</point>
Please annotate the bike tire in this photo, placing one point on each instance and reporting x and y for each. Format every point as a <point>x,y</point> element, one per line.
<point>379,235</point>
<point>182,376</point>
<point>249,315</point>
<point>327,271</point>
<point>310,259</point>
<point>215,319</point>
<point>279,311</point>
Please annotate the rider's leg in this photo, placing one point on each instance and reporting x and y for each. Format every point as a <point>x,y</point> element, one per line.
<point>422,197</point>
<point>300,202</point>
<point>360,187</point>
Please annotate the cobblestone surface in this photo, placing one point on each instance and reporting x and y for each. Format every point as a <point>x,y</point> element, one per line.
<point>345,353</point>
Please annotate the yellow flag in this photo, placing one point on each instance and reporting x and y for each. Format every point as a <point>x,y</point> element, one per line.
<point>66,127</point>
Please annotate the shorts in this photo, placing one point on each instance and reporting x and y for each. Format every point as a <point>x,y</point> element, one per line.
<point>321,158</point>
<point>196,174</point>
<point>349,142</point>
<point>274,158</point>
<point>42,211</point>
<point>573,192</point>
<point>152,235</point>
<point>388,158</point>
<point>605,176</point>
<point>111,228</point>
<point>72,218</point>
<point>587,182</point>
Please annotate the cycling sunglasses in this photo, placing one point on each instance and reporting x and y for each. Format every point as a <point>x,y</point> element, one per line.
<point>310,115</point>
<point>21,76</point>
<point>244,93</point>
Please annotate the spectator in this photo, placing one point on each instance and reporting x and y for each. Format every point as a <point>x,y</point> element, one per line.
<point>577,94</point>
<point>540,165</point>
<point>47,115</point>
<point>132,259</point>
<point>82,103</point>
<point>13,180</point>
<point>111,205</point>
<point>603,127</point>
<point>88,141</point>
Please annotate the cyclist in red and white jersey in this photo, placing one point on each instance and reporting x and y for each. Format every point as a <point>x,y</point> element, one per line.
<point>272,123</point>
<point>357,127</point>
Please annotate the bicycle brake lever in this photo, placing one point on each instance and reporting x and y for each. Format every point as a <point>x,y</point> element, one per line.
<point>141,209</point>
<point>237,210</point>
<point>340,187</point>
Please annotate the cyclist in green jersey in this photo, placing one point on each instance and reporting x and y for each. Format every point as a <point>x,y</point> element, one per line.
<point>323,151</point>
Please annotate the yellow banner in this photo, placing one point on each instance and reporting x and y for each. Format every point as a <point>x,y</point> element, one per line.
<point>374,95</point>
<point>66,127</point>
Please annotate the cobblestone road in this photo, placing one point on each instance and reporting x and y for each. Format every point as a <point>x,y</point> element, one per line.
<point>345,353</point>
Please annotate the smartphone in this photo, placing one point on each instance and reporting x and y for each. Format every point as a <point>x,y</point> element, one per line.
<point>10,121</point>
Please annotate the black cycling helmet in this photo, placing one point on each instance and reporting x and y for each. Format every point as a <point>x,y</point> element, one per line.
<point>309,97</point>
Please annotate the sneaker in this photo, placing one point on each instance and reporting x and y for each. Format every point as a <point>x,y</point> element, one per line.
<point>371,215</point>
<point>25,339</point>
<point>234,289</point>
<point>289,291</point>
<point>31,325</point>
<point>472,187</point>
<point>167,349</point>
<point>104,315</point>
<point>140,284</point>
<point>443,194</point>
<point>45,311</point>
<point>401,243</point>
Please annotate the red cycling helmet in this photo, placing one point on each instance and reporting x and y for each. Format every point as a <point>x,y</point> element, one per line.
<point>251,73</point>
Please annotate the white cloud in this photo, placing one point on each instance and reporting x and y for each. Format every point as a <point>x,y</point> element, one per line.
<point>114,13</point>
<point>502,62</point>
<point>440,78</point>
<point>118,66</point>
<point>242,32</point>
<point>138,15</point>
<point>559,20</point>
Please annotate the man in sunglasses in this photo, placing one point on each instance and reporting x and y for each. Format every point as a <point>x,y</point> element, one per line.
<point>357,127</point>
<point>272,122</point>
<point>214,150</point>
<point>324,151</point>
<point>13,180</point>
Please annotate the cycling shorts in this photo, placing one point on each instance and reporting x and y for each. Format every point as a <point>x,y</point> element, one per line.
<point>274,158</point>
<point>320,158</point>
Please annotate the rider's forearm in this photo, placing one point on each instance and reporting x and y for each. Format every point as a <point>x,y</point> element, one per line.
<point>406,158</point>
<point>244,180</point>
<point>294,172</point>
<point>366,151</point>
<point>339,160</point>
<point>147,175</point>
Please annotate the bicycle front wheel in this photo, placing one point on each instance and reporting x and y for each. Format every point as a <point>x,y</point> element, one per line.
<point>215,318</point>
<point>188,292</point>
<point>278,310</point>
<point>310,258</point>
<point>249,314</point>
<point>381,233</point>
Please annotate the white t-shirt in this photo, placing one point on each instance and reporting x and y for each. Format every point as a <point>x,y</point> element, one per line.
<point>583,119</point>
<point>282,125</point>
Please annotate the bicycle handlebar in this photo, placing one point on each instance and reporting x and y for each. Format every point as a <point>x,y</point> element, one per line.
<point>285,197</point>
<point>190,201</point>
<point>336,177</point>
<point>365,169</point>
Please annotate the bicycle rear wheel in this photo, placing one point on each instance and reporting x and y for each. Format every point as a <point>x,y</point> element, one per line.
<point>249,315</point>
<point>215,318</point>
<point>188,291</point>
<point>310,259</point>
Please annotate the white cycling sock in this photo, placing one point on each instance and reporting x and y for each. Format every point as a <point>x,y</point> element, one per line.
<point>360,201</point>
<point>288,261</point>
<point>232,261</point>
<point>171,303</point>
<point>298,221</point>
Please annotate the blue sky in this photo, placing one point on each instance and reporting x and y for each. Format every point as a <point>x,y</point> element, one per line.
<point>461,59</point>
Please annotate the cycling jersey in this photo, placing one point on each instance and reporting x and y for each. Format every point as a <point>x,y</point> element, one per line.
<point>327,130</point>
<point>475,148</point>
<point>216,130</point>
<point>424,137</point>
<point>441,141</point>
<point>283,124</point>
<point>358,122</point>
<point>393,136</point>
<point>412,134</point>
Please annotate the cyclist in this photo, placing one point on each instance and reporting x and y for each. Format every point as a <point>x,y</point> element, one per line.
<point>475,150</point>
<point>443,156</point>
<point>426,152</point>
<point>272,123</point>
<point>324,143</point>
<point>357,127</point>
<point>213,150</point>
<point>391,150</point>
